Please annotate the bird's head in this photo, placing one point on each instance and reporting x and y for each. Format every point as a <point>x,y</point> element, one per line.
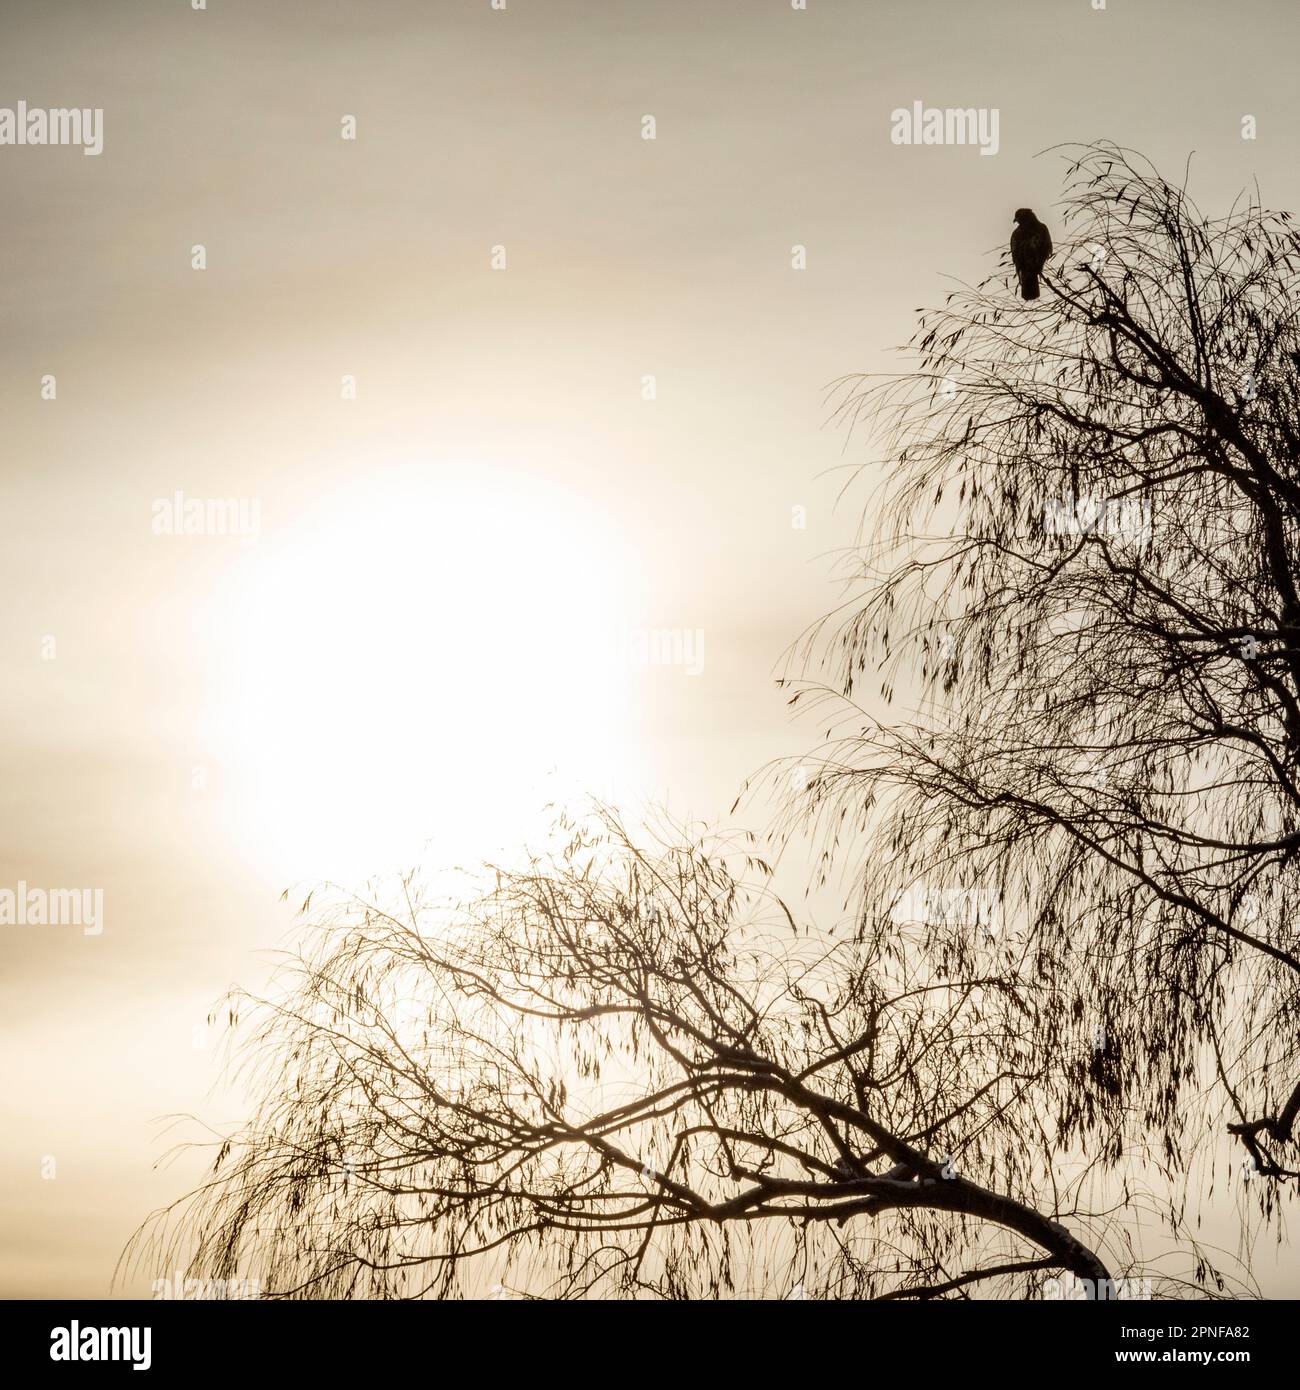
<point>1025,215</point>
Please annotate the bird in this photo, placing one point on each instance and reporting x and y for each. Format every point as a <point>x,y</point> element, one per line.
<point>1031,245</point>
<point>845,1170</point>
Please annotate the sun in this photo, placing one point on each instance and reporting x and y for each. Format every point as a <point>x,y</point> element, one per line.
<point>415,665</point>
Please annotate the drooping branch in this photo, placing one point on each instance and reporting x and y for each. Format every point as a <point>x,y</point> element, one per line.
<point>622,1073</point>
<point>1081,592</point>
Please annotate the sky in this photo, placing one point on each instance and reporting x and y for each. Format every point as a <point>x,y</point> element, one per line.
<point>514,400</point>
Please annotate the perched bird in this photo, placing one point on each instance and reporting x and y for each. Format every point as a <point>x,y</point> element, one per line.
<point>845,1171</point>
<point>1031,245</point>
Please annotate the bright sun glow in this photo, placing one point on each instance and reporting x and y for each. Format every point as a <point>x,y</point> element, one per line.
<point>425,658</point>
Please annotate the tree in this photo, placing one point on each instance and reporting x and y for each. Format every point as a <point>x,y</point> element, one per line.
<point>1084,586</point>
<point>612,1072</point>
<point>1071,958</point>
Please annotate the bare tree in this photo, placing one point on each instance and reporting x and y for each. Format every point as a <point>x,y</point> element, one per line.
<point>1084,593</point>
<point>620,1073</point>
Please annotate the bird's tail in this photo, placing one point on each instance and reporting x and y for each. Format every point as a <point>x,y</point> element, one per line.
<point>1028,284</point>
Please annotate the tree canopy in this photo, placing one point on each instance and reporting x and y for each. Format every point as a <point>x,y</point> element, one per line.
<point>1062,704</point>
<point>1085,586</point>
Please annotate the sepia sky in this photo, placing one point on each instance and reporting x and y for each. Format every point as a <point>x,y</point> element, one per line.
<point>435,629</point>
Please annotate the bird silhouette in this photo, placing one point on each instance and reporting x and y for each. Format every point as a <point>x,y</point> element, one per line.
<point>1031,245</point>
